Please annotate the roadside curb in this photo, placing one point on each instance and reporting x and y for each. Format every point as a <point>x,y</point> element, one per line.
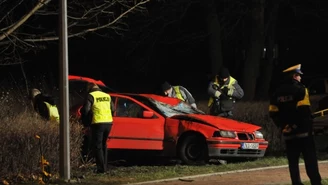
<point>185,178</point>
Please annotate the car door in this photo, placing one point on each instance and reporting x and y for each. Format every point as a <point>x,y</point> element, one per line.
<point>135,126</point>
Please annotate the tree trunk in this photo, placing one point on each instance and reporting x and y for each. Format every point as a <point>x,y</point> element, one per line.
<point>215,45</point>
<point>255,49</point>
<point>263,87</point>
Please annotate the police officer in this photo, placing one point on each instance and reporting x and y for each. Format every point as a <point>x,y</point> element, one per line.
<point>179,92</point>
<point>290,110</point>
<point>223,92</point>
<point>97,113</point>
<point>44,105</point>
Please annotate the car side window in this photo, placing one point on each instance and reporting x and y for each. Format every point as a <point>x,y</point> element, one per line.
<point>113,99</point>
<point>128,108</point>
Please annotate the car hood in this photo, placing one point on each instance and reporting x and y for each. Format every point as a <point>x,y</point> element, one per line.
<point>220,122</point>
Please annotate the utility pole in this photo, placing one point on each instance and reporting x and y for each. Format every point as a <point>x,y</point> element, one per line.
<point>64,158</point>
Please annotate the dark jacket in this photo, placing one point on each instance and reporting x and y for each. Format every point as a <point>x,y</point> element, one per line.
<point>290,109</point>
<point>228,95</point>
<point>40,107</point>
<point>186,95</point>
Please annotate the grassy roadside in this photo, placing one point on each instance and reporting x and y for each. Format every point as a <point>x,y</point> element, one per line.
<point>132,174</point>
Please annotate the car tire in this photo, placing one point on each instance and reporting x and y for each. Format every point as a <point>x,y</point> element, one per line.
<point>193,150</point>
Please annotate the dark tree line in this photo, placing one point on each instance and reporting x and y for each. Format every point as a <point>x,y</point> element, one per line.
<point>252,38</point>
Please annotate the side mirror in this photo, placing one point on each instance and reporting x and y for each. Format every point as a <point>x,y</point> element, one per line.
<point>78,112</point>
<point>147,114</point>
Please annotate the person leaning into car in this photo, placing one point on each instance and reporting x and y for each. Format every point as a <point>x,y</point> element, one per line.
<point>97,113</point>
<point>44,105</point>
<point>223,92</point>
<point>290,111</point>
<point>179,92</point>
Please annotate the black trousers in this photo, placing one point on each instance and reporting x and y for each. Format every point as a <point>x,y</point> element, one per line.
<point>216,110</point>
<point>100,134</point>
<point>306,147</point>
<point>86,148</point>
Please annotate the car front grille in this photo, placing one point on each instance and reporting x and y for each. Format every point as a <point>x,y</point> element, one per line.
<point>239,152</point>
<point>245,136</point>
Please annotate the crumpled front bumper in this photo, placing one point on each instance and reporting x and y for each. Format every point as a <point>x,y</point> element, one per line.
<point>227,149</point>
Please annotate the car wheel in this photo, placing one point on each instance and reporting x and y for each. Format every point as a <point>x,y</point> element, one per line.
<point>193,150</point>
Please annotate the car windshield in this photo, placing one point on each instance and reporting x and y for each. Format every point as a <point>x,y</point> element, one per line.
<point>181,108</point>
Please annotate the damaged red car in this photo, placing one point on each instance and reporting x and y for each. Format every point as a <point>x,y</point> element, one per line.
<point>169,127</point>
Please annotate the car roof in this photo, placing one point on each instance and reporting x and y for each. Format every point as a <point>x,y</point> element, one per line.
<point>87,79</point>
<point>164,99</point>
<point>100,83</point>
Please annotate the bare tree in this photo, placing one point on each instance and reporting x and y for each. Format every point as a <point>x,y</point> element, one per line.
<point>26,24</point>
<point>271,52</point>
<point>254,49</point>
<point>215,39</point>
<point>260,63</point>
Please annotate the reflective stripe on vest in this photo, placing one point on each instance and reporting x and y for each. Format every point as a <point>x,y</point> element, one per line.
<point>178,93</point>
<point>101,108</point>
<point>53,112</point>
<point>305,101</point>
<point>231,82</point>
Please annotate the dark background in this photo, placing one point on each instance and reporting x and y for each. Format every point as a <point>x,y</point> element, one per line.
<point>302,38</point>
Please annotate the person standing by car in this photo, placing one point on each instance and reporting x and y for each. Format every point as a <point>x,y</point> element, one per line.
<point>179,92</point>
<point>96,113</point>
<point>44,105</point>
<point>290,111</point>
<point>223,92</point>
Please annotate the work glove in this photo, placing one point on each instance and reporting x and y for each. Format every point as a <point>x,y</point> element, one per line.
<point>193,105</point>
<point>225,90</point>
<point>224,96</point>
<point>230,91</point>
<point>217,94</point>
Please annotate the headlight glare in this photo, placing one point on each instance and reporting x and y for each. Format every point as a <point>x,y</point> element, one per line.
<point>258,135</point>
<point>229,134</point>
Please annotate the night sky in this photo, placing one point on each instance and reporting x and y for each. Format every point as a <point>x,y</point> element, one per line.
<point>302,39</point>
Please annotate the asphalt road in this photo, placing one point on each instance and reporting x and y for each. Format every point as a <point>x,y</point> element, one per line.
<point>260,176</point>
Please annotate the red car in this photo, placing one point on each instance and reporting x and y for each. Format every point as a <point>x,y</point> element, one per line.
<point>172,128</point>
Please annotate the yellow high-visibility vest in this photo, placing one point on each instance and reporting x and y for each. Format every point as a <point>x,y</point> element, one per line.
<point>229,85</point>
<point>53,112</point>
<point>101,108</point>
<point>178,93</point>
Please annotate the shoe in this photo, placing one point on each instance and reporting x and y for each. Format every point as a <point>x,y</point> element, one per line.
<point>98,171</point>
<point>101,172</point>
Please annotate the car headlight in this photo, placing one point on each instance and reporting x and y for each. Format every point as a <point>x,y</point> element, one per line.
<point>258,135</point>
<point>224,133</point>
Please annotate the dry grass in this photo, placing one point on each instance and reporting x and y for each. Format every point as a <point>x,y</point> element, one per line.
<point>20,150</point>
